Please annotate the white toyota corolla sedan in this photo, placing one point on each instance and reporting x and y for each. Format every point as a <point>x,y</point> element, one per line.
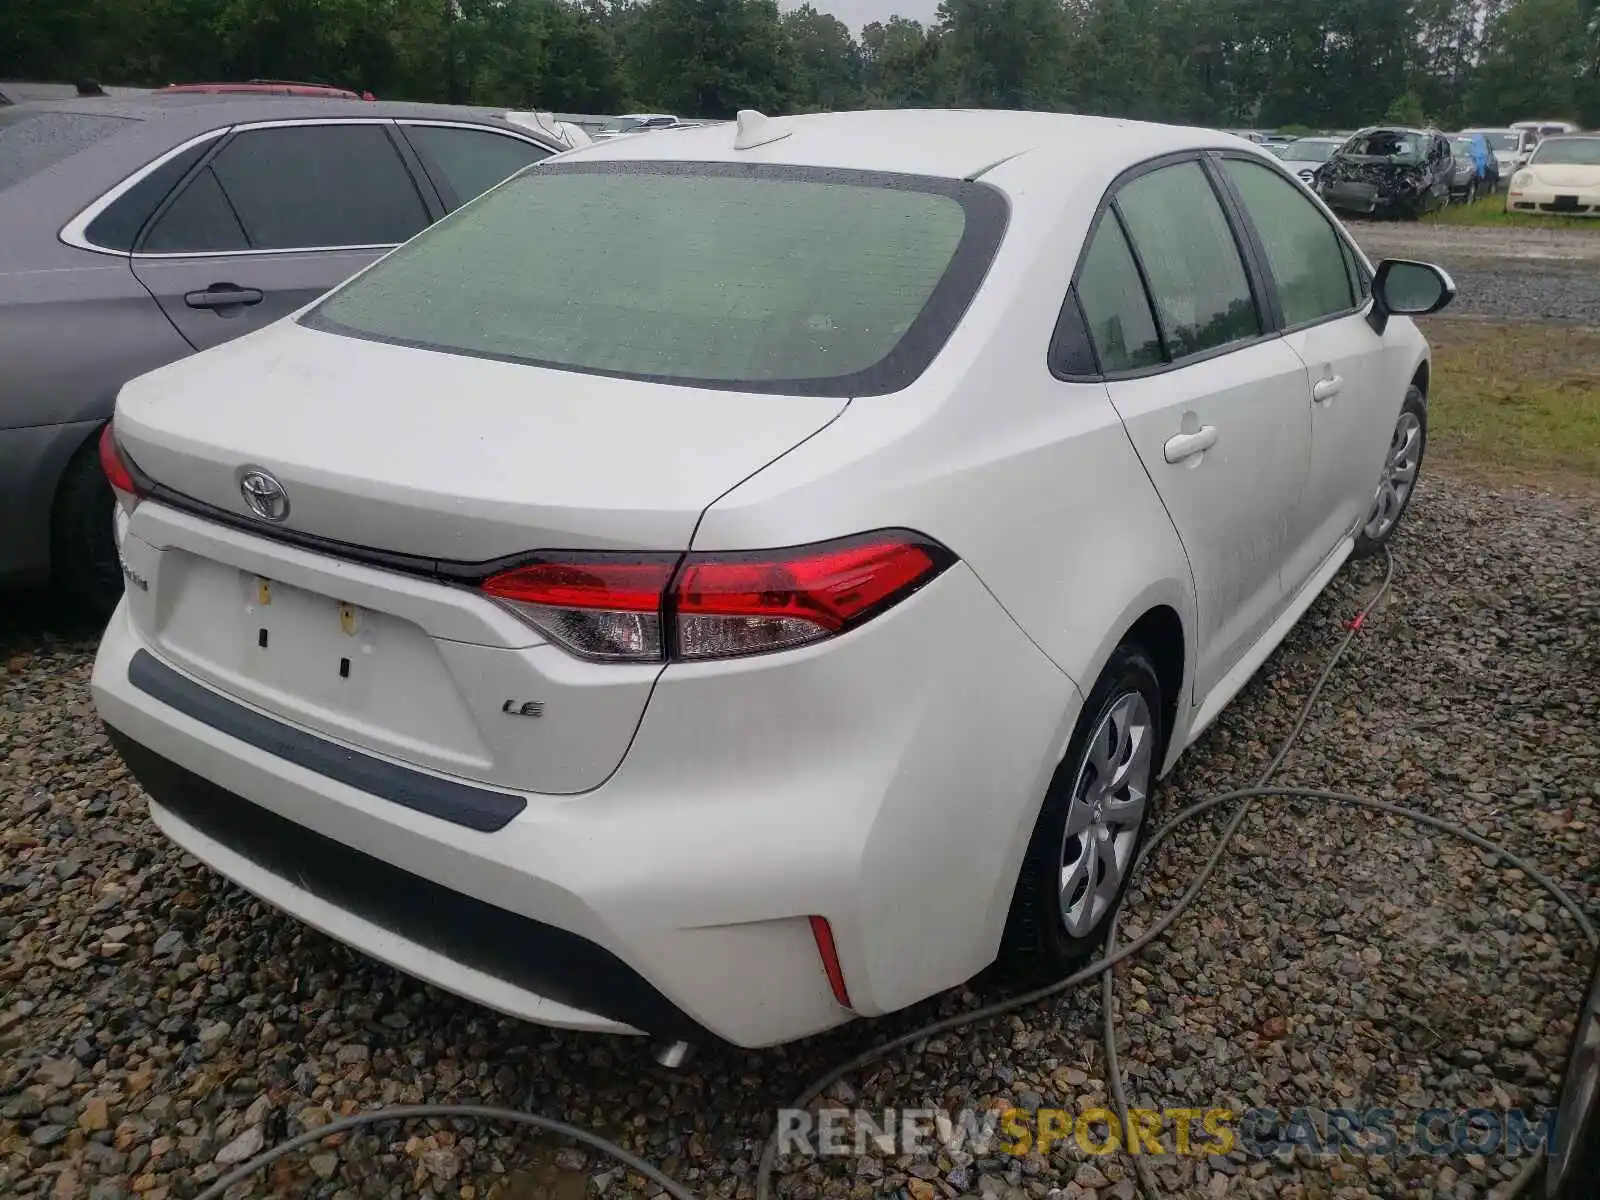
<point>724,583</point>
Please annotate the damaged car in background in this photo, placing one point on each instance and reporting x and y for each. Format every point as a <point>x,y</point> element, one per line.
<point>1389,171</point>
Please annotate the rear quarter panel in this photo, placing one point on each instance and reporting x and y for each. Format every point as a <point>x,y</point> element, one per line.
<point>1031,481</point>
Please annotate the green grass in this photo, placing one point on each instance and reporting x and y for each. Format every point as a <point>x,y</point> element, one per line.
<point>1491,210</point>
<point>1516,403</point>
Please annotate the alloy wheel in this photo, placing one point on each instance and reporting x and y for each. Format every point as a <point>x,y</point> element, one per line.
<point>1107,809</point>
<point>1399,477</point>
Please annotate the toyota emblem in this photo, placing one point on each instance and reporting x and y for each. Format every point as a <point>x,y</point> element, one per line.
<point>264,495</point>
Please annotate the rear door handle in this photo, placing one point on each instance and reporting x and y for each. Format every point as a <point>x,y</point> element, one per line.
<point>1186,445</point>
<point>1326,389</point>
<point>224,296</point>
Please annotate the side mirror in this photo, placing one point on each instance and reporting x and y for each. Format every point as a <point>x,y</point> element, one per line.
<point>1408,289</point>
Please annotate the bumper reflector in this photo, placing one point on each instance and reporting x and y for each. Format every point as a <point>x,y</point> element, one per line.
<point>829,953</point>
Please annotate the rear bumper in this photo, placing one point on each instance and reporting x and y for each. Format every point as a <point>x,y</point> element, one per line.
<point>536,970</point>
<point>887,782</point>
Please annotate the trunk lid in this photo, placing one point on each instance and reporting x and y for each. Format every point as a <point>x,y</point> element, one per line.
<point>430,455</point>
<point>448,456</point>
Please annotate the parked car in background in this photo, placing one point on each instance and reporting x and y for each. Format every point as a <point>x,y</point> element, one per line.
<point>591,123</point>
<point>569,133</point>
<point>617,630</point>
<point>1486,167</point>
<point>134,232</point>
<point>636,123</point>
<point>1463,176</point>
<point>1304,155</point>
<point>1510,147</point>
<point>265,87</point>
<point>1389,170</point>
<point>1562,177</point>
<point>1544,129</point>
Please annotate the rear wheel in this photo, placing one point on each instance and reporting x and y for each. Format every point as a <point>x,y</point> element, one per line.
<point>1091,824</point>
<point>83,541</point>
<point>1402,465</point>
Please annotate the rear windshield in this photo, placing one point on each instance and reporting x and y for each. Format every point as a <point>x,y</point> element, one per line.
<point>32,141</point>
<point>1568,152</point>
<point>737,276</point>
<point>1387,144</point>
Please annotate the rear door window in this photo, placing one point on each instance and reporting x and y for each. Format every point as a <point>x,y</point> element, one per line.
<point>465,163</point>
<point>1115,305</point>
<point>295,187</point>
<point>118,226</point>
<point>299,187</point>
<point>199,221</point>
<point>1197,278</point>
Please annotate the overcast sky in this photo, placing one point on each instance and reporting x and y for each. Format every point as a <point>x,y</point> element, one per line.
<point>856,13</point>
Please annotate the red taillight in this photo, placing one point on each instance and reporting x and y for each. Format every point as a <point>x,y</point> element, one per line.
<point>630,607</point>
<point>116,470</point>
<point>743,604</point>
<point>598,606</point>
<point>829,953</point>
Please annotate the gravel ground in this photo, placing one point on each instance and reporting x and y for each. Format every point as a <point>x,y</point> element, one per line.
<point>1513,273</point>
<point>156,1023</point>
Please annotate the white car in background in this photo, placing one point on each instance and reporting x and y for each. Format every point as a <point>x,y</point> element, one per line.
<point>1562,178</point>
<point>636,123</point>
<point>1304,155</point>
<point>775,597</point>
<point>569,133</point>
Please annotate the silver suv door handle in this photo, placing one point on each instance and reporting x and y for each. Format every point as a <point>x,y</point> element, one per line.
<point>1326,389</point>
<point>1185,445</point>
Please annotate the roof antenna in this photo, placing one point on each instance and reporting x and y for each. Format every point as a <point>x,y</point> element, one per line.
<point>757,129</point>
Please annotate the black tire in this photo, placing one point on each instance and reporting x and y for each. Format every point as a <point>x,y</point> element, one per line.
<point>1036,945</point>
<point>1372,538</point>
<point>1577,1178</point>
<point>83,541</point>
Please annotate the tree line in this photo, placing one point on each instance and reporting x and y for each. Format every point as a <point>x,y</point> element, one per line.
<point>1269,63</point>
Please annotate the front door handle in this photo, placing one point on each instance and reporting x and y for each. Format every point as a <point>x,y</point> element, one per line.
<point>1186,445</point>
<point>1326,389</point>
<point>223,297</point>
